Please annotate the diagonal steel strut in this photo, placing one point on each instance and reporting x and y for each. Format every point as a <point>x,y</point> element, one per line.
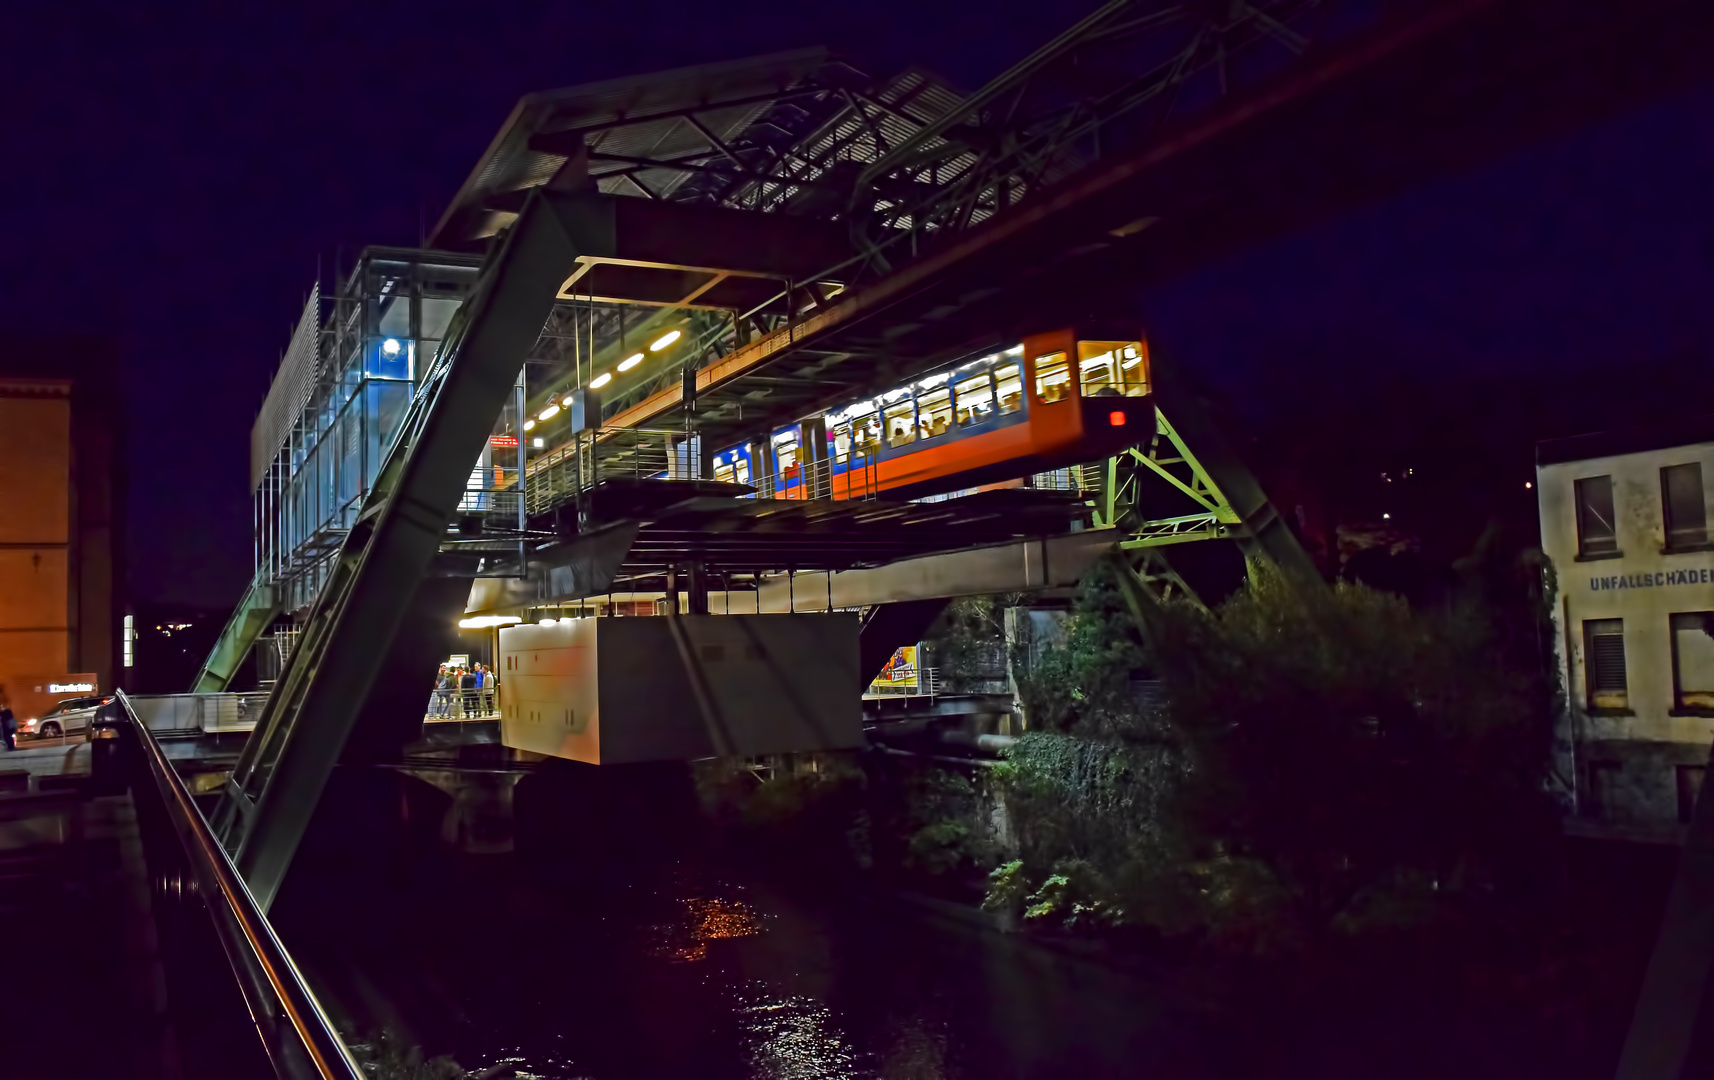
<point>319,698</point>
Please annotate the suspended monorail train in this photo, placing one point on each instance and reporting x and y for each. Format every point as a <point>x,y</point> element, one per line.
<point>1057,399</point>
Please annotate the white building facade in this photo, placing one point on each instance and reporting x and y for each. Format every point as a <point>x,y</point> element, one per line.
<point>1624,521</point>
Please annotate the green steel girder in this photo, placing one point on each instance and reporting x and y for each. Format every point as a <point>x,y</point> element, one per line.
<point>317,701</point>
<point>259,607</point>
<point>1190,456</point>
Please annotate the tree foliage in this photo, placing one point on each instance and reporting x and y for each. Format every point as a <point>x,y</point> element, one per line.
<point>1325,759</point>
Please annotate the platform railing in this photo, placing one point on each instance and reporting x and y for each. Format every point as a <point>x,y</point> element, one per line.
<point>239,1005</point>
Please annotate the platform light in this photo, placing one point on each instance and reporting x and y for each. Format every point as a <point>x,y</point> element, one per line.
<point>630,361</point>
<point>547,622</point>
<point>665,339</point>
<point>529,425</point>
<point>484,622</point>
<point>391,348</point>
<point>548,413</point>
<point>599,381</point>
<point>538,442</point>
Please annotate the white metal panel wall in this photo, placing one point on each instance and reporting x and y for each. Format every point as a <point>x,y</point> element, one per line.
<point>609,691</point>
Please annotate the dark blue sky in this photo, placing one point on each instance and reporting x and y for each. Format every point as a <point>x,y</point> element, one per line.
<point>175,173</point>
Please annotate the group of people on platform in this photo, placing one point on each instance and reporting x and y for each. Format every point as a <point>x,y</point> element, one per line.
<point>463,691</point>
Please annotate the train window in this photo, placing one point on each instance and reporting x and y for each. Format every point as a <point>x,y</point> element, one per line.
<point>842,443</point>
<point>725,472</point>
<point>741,470</point>
<point>1111,368</point>
<point>975,400</point>
<point>934,412</point>
<point>901,423</point>
<point>866,436</point>
<point>1053,377</point>
<point>785,453</point>
<point>1010,387</point>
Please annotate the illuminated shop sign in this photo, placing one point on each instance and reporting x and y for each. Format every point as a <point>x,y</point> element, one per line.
<point>71,688</point>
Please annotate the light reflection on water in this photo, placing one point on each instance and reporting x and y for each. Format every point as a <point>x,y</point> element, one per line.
<point>703,976</point>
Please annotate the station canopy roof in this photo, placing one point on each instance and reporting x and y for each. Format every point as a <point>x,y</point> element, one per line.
<point>786,131</point>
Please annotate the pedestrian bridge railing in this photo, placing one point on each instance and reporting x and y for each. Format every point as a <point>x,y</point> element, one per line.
<point>237,1000</point>
<point>177,716</point>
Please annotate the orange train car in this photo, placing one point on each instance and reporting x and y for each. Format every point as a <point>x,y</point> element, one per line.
<point>1059,398</point>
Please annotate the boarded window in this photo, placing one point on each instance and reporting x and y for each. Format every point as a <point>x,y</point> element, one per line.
<point>1693,660</point>
<point>1604,663</point>
<point>1053,377</point>
<point>1685,509</point>
<point>1595,532</point>
<point>1689,786</point>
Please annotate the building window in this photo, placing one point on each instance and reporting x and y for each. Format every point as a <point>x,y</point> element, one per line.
<point>1689,785</point>
<point>1595,532</point>
<point>1604,663</point>
<point>1683,506</point>
<point>1693,661</point>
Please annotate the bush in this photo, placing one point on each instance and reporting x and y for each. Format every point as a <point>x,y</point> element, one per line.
<point>1327,759</point>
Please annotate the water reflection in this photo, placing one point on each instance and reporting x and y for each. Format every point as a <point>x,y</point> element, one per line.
<point>633,962</point>
<point>793,1038</point>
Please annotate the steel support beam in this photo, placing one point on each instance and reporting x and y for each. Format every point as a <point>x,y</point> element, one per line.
<point>318,700</point>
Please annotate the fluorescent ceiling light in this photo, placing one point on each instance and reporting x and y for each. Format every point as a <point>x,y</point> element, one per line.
<point>601,380</point>
<point>665,339</point>
<point>630,361</point>
<point>483,622</point>
<point>529,425</point>
<point>549,413</point>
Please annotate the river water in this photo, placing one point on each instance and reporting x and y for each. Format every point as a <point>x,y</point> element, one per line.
<point>625,938</point>
<point>649,955</point>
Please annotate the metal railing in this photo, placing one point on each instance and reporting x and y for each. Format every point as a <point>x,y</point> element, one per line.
<point>917,682</point>
<point>257,1014</point>
<point>463,704</point>
<point>575,467</point>
<point>198,714</point>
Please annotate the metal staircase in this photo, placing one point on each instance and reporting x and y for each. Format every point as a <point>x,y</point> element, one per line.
<point>259,607</point>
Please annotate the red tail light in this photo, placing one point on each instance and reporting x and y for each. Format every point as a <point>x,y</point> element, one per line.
<point>1116,418</point>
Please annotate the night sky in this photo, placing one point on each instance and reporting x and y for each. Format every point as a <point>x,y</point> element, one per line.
<point>176,174</point>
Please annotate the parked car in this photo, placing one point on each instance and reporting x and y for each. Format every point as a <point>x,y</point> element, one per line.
<point>71,714</point>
